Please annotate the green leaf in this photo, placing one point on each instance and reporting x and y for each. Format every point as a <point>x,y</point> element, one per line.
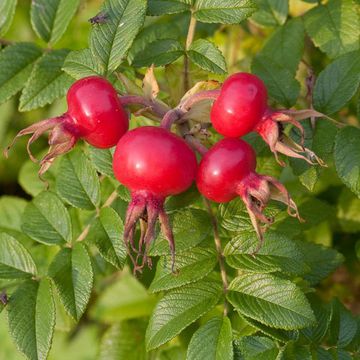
<point>340,354</point>
<point>102,160</point>
<point>124,341</point>
<point>347,157</point>
<point>77,181</point>
<point>46,220</point>
<point>50,18</point>
<point>355,343</point>
<point>343,326</point>
<point>324,139</point>
<point>185,199</point>
<point>288,40</point>
<point>190,266</point>
<point>279,253</point>
<point>321,260</point>
<point>29,178</point>
<point>271,12</point>
<point>162,7</point>
<point>110,41</point>
<point>106,233</point>
<point>348,212</point>
<point>11,211</point>
<point>276,334</point>
<point>81,63</point>
<point>127,298</point>
<point>278,68</point>
<point>124,193</point>
<point>323,313</point>
<point>179,308</point>
<point>15,260</point>
<point>224,12</point>
<point>47,81</point>
<point>235,218</point>
<point>207,56</point>
<point>190,228</point>
<point>267,164</point>
<point>257,348</point>
<point>337,83</point>
<point>340,27</point>
<point>72,274</point>
<point>160,52</point>
<point>281,84</point>
<point>7,9</point>
<point>313,211</point>
<point>270,300</point>
<point>16,63</point>
<point>322,354</point>
<point>156,31</point>
<point>295,351</point>
<point>31,318</point>
<point>213,341</point>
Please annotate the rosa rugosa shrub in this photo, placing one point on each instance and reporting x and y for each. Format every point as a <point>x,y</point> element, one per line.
<point>199,119</point>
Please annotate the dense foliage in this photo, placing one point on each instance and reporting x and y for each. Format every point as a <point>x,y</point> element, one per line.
<point>67,288</point>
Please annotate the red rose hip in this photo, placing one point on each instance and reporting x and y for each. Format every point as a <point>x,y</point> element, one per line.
<point>94,114</point>
<point>227,170</point>
<point>153,163</point>
<point>240,106</point>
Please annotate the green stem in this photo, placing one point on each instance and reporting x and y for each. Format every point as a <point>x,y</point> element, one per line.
<point>220,255</point>
<point>156,107</point>
<point>107,203</point>
<point>189,40</point>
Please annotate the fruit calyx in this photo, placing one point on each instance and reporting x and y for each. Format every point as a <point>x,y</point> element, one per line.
<point>147,207</point>
<point>270,128</point>
<point>256,191</point>
<point>62,138</point>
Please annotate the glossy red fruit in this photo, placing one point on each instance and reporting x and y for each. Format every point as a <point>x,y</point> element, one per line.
<point>153,163</point>
<point>227,170</point>
<point>94,114</point>
<point>222,167</point>
<point>94,109</point>
<point>240,105</point>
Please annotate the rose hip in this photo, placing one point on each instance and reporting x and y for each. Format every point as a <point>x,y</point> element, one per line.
<point>227,170</point>
<point>153,163</point>
<point>94,114</point>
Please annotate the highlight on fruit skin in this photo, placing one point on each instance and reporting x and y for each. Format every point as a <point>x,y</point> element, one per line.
<point>242,107</point>
<point>153,163</point>
<point>227,170</point>
<point>94,114</point>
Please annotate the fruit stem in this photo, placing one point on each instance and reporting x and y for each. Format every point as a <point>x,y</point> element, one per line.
<point>170,117</point>
<point>175,114</point>
<point>156,107</point>
<point>189,40</point>
<point>195,144</point>
<point>200,96</point>
<point>220,255</point>
<point>113,196</point>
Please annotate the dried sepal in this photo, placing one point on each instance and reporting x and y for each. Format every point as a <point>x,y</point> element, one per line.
<point>61,140</point>
<point>146,209</point>
<point>150,85</point>
<point>256,191</point>
<point>271,128</point>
